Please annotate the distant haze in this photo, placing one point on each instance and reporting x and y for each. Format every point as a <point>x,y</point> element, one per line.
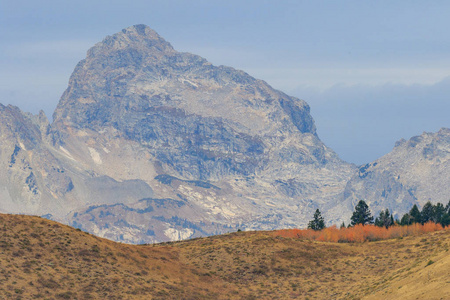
<point>372,72</point>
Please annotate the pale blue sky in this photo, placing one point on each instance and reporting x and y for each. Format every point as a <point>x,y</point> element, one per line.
<point>372,71</point>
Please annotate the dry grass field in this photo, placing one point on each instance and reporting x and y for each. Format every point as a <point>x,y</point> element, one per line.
<point>41,259</point>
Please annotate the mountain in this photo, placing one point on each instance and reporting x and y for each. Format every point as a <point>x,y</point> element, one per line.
<point>149,144</point>
<point>43,259</point>
<point>414,172</point>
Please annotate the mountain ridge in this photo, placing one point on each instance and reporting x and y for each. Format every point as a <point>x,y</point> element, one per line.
<point>407,175</point>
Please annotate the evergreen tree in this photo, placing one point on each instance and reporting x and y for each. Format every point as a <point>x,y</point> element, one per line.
<point>362,214</point>
<point>318,222</point>
<point>342,225</point>
<point>445,219</point>
<point>406,220</point>
<point>438,212</point>
<point>427,213</point>
<point>415,214</point>
<point>385,219</point>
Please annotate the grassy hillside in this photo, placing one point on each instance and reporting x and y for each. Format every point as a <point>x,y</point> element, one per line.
<point>41,259</point>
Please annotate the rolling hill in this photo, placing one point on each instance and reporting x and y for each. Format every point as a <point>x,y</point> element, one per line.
<point>42,259</point>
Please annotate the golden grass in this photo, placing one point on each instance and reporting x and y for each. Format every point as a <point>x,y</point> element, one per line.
<point>41,259</point>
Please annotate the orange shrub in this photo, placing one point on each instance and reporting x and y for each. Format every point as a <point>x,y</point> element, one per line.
<point>359,233</point>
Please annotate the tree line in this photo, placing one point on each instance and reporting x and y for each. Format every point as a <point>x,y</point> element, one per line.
<point>438,214</point>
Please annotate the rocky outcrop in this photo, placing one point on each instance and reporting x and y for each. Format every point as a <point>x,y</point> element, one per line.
<point>198,120</point>
<point>414,172</point>
<point>38,178</point>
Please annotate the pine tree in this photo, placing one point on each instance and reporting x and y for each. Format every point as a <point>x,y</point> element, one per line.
<point>362,214</point>
<point>415,214</point>
<point>318,222</point>
<point>385,219</point>
<point>406,220</point>
<point>445,219</point>
<point>427,212</point>
<point>438,212</point>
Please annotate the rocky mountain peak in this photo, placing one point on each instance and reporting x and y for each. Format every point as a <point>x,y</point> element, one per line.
<point>139,37</point>
<point>136,70</point>
<point>414,172</point>
<point>429,144</point>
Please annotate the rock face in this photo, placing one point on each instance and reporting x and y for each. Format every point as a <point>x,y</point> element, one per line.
<point>39,178</point>
<point>199,121</point>
<point>149,144</point>
<point>416,171</point>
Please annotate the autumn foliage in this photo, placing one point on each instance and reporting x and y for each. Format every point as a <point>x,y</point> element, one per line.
<point>360,233</point>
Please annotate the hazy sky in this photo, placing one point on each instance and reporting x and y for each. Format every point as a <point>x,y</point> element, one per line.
<point>372,71</point>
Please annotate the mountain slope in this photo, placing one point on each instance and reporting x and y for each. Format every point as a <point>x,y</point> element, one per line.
<point>43,259</point>
<point>414,172</point>
<point>32,179</point>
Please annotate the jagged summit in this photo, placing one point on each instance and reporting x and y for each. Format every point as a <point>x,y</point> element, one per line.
<point>137,36</point>
<point>414,172</point>
<point>136,86</point>
<point>142,30</point>
<point>442,136</point>
<point>137,69</point>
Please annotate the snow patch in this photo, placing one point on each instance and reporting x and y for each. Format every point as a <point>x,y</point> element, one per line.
<point>67,153</point>
<point>177,235</point>
<point>22,146</point>
<point>95,156</point>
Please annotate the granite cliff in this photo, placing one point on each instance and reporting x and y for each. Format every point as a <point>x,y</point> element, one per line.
<point>149,144</point>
